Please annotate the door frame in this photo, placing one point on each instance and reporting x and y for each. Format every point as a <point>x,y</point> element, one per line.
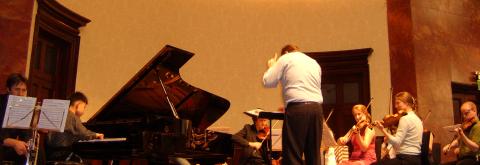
<point>344,62</point>
<point>58,21</point>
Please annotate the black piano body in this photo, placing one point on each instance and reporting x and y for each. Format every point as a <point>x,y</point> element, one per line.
<point>140,115</point>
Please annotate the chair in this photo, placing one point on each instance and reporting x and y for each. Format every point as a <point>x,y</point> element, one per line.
<point>378,147</point>
<point>436,153</point>
<point>424,149</point>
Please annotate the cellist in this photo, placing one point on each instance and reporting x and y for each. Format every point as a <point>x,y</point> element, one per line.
<point>408,138</point>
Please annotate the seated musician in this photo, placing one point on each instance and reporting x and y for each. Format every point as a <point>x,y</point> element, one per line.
<point>386,150</point>
<point>59,143</point>
<point>468,137</point>
<point>14,146</point>
<point>362,137</point>
<point>253,151</point>
<point>407,139</point>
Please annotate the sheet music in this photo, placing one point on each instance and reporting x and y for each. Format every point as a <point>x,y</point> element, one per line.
<point>53,114</point>
<point>19,112</point>
<point>277,139</point>
<point>327,137</point>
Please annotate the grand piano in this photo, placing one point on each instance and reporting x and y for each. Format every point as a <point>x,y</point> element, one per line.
<point>139,120</point>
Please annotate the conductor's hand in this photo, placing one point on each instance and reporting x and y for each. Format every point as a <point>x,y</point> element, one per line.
<point>255,145</point>
<point>99,135</point>
<point>272,61</point>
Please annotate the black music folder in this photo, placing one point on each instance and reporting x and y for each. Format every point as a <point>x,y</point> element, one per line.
<point>272,115</point>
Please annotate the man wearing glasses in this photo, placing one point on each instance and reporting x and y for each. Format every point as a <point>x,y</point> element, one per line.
<point>468,136</point>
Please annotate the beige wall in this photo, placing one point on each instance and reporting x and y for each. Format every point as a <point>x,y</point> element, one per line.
<point>232,41</point>
<point>446,41</point>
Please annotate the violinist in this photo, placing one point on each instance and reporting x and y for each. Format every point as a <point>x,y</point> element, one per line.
<point>250,138</point>
<point>407,139</point>
<point>468,137</point>
<point>387,150</point>
<point>362,136</point>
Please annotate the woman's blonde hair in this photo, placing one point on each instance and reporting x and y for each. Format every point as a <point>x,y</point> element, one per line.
<point>362,108</point>
<point>407,98</point>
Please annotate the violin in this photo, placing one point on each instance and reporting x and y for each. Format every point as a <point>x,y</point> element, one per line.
<point>362,125</point>
<point>390,121</point>
<point>359,128</point>
<point>468,124</point>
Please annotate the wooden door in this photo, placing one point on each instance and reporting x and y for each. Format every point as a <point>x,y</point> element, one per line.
<point>46,69</point>
<point>53,63</point>
<point>341,92</point>
<point>345,82</point>
<point>462,93</point>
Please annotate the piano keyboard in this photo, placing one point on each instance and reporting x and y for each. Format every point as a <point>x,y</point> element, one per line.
<point>103,140</point>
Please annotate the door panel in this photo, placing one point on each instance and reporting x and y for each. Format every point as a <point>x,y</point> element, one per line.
<point>53,63</point>
<point>462,93</point>
<point>345,82</point>
<point>45,81</point>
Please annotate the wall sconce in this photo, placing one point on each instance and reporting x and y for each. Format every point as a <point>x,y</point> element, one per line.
<point>477,79</point>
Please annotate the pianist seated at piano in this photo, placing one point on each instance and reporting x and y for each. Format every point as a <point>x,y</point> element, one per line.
<point>249,139</point>
<point>59,143</point>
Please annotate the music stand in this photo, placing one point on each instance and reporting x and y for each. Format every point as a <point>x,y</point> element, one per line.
<point>19,112</point>
<point>271,116</point>
<point>53,115</point>
<point>24,113</point>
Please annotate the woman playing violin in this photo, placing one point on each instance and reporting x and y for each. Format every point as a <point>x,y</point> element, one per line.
<point>362,136</point>
<point>468,136</point>
<point>407,139</point>
<point>250,138</point>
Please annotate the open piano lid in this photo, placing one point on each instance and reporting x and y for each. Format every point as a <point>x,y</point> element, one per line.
<point>143,95</point>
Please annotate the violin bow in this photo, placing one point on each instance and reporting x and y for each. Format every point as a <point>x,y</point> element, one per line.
<point>426,116</point>
<point>390,102</point>
<point>390,110</point>
<point>268,133</point>
<point>369,103</point>
<point>330,114</point>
